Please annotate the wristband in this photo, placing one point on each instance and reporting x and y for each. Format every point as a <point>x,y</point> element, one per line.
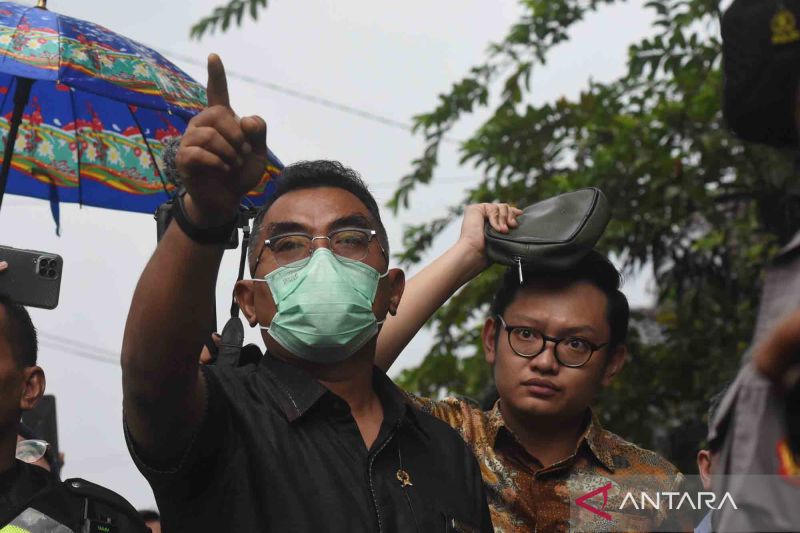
<point>201,234</point>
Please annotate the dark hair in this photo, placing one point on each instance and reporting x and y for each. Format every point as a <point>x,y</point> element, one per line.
<point>20,332</point>
<point>312,174</point>
<point>594,268</point>
<point>148,515</point>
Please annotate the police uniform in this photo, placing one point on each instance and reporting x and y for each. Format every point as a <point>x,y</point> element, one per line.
<point>34,501</point>
<point>756,465</point>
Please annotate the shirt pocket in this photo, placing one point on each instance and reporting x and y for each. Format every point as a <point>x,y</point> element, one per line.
<point>456,525</point>
<point>438,516</point>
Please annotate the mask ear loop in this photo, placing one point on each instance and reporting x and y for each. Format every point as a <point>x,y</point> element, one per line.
<point>385,256</point>
<point>381,276</point>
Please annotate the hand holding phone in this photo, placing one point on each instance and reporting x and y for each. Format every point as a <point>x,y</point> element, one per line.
<point>30,277</point>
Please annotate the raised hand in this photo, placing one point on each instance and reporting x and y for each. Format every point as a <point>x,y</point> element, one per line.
<point>501,217</point>
<point>221,157</point>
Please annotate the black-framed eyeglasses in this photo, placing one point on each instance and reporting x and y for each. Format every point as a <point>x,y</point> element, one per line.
<point>529,342</point>
<point>295,249</point>
<point>31,450</point>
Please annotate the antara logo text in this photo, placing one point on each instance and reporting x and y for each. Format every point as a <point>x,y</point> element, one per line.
<point>657,500</point>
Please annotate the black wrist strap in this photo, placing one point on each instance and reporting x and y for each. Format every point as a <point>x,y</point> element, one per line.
<point>201,234</point>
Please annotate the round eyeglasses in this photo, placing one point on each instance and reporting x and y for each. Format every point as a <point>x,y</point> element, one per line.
<point>529,342</point>
<point>296,248</point>
<point>31,450</point>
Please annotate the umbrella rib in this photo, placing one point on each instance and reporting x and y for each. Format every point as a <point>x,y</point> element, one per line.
<point>60,34</point>
<point>149,150</point>
<point>77,144</point>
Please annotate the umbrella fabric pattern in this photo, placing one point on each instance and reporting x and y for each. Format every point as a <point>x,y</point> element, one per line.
<point>99,111</point>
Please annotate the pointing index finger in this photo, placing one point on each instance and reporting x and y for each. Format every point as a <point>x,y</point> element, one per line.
<point>217,88</point>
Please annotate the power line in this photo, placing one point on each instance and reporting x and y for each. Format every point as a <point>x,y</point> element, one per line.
<point>67,340</point>
<point>294,93</point>
<point>288,91</point>
<point>76,348</point>
<point>78,353</point>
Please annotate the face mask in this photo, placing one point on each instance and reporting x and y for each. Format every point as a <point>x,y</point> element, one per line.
<point>324,307</point>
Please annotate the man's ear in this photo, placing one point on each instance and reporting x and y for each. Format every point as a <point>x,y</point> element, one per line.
<point>397,284</point>
<point>614,364</point>
<point>33,388</point>
<point>245,293</point>
<point>489,336</point>
<point>704,468</point>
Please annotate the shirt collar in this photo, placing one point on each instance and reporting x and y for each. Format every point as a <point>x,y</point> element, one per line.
<point>494,422</point>
<point>597,440</point>
<point>396,405</point>
<point>594,435</point>
<point>299,392</point>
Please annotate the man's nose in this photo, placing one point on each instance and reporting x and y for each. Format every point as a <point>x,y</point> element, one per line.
<point>546,362</point>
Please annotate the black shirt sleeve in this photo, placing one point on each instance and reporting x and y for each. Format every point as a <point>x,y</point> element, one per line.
<point>198,464</point>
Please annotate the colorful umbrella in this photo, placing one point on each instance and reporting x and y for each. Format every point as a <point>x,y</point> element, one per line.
<point>85,113</point>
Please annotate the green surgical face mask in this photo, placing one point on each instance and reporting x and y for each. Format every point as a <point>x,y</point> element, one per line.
<point>324,307</point>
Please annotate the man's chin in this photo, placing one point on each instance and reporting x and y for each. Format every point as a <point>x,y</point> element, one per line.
<point>532,406</point>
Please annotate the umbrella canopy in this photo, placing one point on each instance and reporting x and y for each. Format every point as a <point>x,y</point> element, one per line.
<point>94,111</point>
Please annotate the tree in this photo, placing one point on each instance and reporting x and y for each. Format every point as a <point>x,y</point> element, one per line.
<point>700,208</point>
<point>223,16</point>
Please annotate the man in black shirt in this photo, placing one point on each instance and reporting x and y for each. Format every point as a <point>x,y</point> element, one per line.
<point>314,437</point>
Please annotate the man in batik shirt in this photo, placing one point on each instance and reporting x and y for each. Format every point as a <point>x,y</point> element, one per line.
<point>553,342</point>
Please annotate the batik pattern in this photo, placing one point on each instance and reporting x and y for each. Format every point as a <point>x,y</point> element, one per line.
<point>524,496</point>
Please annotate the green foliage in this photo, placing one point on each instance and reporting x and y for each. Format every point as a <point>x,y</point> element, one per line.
<point>704,210</point>
<point>223,16</point>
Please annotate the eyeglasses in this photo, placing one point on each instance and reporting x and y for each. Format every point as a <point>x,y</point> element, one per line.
<point>31,450</point>
<point>296,248</point>
<point>570,351</point>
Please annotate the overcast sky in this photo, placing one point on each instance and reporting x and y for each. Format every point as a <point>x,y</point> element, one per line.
<point>389,58</point>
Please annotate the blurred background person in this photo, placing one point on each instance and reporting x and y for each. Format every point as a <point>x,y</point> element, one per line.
<point>755,429</point>
<point>707,459</point>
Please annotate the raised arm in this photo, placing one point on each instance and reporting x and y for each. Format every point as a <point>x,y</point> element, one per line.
<point>432,286</point>
<point>220,158</point>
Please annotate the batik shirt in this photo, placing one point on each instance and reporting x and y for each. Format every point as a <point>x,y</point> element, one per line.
<point>525,496</point>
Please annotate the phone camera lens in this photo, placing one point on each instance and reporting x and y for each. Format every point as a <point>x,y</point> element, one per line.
<point>51,273</point>
<point>42,271</point>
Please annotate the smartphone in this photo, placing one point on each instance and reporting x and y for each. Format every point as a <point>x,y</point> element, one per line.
<point>32,278</point>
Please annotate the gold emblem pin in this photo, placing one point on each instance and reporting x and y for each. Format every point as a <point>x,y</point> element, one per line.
<point>404,478</point>
<point>784,27</point>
